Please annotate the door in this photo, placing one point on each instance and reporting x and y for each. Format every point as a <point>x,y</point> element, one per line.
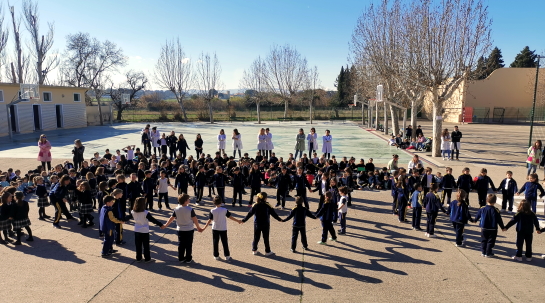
<point>37,116</point>
<point>13,117</point>
<point>58,112</point>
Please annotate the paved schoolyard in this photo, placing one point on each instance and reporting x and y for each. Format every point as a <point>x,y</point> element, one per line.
<point>379,260</point>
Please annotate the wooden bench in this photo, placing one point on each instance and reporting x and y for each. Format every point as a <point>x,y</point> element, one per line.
<point>284,119</point>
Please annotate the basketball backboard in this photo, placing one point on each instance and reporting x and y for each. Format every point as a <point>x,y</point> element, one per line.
<point>29,91</point>
<point>126,99</point>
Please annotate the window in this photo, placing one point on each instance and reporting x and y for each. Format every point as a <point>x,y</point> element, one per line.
<point>77,97</point>
<point>47,97</point>
<point>1,96</point>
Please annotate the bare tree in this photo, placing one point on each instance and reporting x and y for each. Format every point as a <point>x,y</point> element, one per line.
<point>312,83</point>
<point>88,61</point>
<point>286,72</point>
<point>208,79</point>
<point>41,44</point>
<point>173,71</point>
<point>254,81</point>
<point>135,82</point>
<point>18,74</point>
<point>4,34</point>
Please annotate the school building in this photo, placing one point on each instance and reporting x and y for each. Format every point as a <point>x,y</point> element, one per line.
<point>57,107</point>
<point>506,96</point>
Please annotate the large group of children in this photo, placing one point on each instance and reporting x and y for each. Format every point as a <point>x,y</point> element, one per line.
<point>100,183</point>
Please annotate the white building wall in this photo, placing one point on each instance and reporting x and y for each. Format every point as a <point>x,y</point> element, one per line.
<point>49,117</point>
<point>74,115</point>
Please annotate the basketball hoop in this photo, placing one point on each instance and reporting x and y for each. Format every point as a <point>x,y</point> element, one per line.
<point>126,99</point>
<point>372,102</point>
<point>29,91</point>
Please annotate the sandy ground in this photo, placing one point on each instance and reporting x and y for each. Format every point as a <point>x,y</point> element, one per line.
<point>379,260</point>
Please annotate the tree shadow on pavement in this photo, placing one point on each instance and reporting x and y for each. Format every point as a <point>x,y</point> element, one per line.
<point>48,249</point>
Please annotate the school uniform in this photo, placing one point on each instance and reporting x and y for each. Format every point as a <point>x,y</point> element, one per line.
<point>327,215</point>
<point>525,231</point>
<point>283,185</point>
<point>198,148</point>
<point>171,143</point>
<point>301,185</point>
<point>146,142</point>
<point>85,207</point>
<point>210,181</point>
<point>141,233</point>
<point>134,191</point>
<point>163,184</point>
<point>254,180</point>
<point>148,186</point>
<point>219,181</point>
<point>530,192</point>
<point>107,227</point>
<point>482,188</point>
<point>5,222</point>
<point>219,217</point>
<point>184,227</point>
<point>261,213</point>
<point>182,182</point>
<point>200,182</point>
<point>447,184</point>
<point>343,205</point>
<point>41,192</point>
<point>432,203</point>
<point>182,147</point>
<point>490,219</point>
<point>459,215</point>
<point>465,182</point>
<point>417,201</point>
<point>508,190</point>
<point>238,187</point>
<point>427,181</point>
<point>322,187</point>
<point>56,195</point>
<point>299,215</point>
<point>19,215</point>
<point>402,201</point>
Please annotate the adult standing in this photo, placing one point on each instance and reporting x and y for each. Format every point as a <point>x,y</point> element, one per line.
<point>221,141</point>
<point>534,157</point>
<point>392,165</point>
<point>237,143</point>
<point>327,147</point>
<point>155,136</point>
<point>198,146</point>
<point>455,143</point>
<point>171,142</point>
<point>44,155</point>
<point>182,146</point>
<point>270,145</point>
<point>299,143</point>
<point>414,163</point>
<point>262,142</point>
<point>312,139</point>
<point>146,141</point>
<point>77,153</point>
<point>409,132</point>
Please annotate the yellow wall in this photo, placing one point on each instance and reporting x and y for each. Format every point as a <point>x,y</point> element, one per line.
<point>59,94</point>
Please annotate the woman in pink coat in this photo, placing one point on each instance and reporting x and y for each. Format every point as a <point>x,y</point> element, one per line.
<point>45,152</point>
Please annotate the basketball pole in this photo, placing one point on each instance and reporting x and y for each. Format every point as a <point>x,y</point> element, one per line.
<point>534,103</point>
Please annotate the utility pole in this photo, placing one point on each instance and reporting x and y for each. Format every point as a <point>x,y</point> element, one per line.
<point>534,103</point>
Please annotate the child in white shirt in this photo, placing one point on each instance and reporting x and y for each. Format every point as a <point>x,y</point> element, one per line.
<point>162,186</point>
<point>218,217</point>
<point>342,208</point>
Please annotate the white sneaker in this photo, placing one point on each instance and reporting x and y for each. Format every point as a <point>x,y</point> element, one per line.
<point>516,258</point>
<point>542,256</point>
<point>528,259</point>
<point>217,258</point>
<point>443,158</point>
<point>255,252</point>
<point>270,253</point>
<point>431,236</point>
<point>228,258</point>
<point>427,235</point>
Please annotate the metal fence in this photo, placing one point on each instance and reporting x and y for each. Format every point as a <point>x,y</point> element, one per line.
<point>506,114</point>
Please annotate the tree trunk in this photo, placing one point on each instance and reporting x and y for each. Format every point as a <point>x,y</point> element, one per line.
<point>119,113</point>
<point>395,120</point>
<point>413,118</point>
<point>181,103</point>
<point>437,125</point>
<point>210,112</point>
<point>310,110</point>
<point>286,102</point>
<point>258,112</point>
<point>99,110</point>
<point>386,119</point>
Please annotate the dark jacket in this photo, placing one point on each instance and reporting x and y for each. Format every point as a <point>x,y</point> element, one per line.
<point>220,180</point>
<point>482,182</point>
<point>327,212</point>
<point>459,214</point>
<point>238,181</point>
<point>19,212</point>
<point>512,188</point>
<point>182,180</point>
<point>107,219</point>
<point>530,190</point>
<point>261,213</point>
<point>448,181</point>
<point>301,184</point>
<point>299,214</point>
<point>465,182</point>
<point>432,203</point>
<point>490,217</point>
<point>181,145</point>
<point>134,190</point>
<point>200,179</point>
<point>78,153</point>
<point>148,186</point>
<point>455,136</point>
<point>172,141</point>
<point>254,179</point>
<point>525,222</point>
<point>283,182</point>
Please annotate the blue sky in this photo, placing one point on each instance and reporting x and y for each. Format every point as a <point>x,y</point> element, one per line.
<point>239,31</point>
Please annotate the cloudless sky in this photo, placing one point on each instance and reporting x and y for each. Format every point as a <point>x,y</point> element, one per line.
<point>240,30</point>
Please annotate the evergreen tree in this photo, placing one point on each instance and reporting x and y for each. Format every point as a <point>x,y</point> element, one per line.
<point>480,71</point>
<point>526,58</point>
<point>342,87</point>
<point>495,60</point>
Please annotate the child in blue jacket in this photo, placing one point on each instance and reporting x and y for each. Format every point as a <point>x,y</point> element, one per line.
<point>417,201</point>
<point>481,185</point>
<point>459,214</point>
<point>107,226</point>
<point>530,191</point>
<point>327,214</point>
<point>526,221</point>
<point>490,219</point>
<point>432,202</point>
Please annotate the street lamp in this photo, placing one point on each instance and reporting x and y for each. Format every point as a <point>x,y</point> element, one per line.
<point>534,104</point>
